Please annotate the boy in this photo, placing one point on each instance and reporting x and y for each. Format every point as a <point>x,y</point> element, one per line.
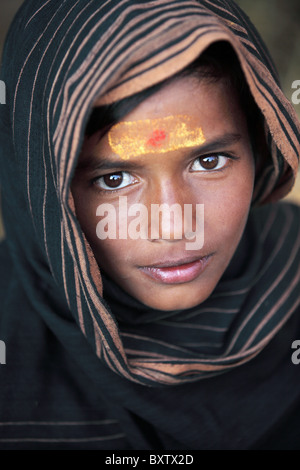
<point>147,344</point>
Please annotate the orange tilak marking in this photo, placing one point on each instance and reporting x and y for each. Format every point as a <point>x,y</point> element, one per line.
<point>158,136</point>
<point>132,138</point>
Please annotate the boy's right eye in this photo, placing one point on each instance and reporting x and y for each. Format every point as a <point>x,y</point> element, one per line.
<point>112,181</point>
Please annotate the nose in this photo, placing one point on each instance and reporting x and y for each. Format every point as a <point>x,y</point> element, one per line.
<point>166,222</point>
<point>172,212</point>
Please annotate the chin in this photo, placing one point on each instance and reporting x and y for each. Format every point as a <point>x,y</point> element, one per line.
<point>170,301</point>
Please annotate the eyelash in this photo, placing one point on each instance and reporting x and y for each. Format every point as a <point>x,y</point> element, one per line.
<point>112,190</point>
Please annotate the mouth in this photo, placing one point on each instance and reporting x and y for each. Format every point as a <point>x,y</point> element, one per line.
<point>177,272</point>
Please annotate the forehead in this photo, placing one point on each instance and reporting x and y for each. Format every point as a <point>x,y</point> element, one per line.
<point>131,138</point>
<point>190,95</point>
<point>210,111</point>
<point>179,115</point>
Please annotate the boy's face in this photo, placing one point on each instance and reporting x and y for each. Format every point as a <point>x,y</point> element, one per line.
<point>188,144</point>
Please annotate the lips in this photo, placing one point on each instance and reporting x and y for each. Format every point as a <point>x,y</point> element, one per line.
<point>177,272</point>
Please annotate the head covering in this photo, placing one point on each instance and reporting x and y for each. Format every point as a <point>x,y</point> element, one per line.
<point>61,56</point>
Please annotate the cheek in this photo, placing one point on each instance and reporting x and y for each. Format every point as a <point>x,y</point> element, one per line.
<point>117,258</point>
<point>86,214</point>
<point>111,253</point>
<point>227,208</point>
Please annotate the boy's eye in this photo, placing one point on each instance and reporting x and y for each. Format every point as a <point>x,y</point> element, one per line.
<point>116,180</point>
<point>209,162</point>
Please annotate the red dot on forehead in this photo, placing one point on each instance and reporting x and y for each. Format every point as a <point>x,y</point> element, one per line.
<point>157,138</point>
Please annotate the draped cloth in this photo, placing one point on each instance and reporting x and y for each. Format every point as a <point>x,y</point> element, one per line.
<point>86,347</point>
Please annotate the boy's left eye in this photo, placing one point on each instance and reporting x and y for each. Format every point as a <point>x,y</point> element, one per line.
<point>209,162</point>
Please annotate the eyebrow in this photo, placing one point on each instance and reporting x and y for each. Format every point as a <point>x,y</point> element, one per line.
<point>92,162</point>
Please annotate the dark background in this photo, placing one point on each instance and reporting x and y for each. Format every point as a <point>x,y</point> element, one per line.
<point>278,21</point>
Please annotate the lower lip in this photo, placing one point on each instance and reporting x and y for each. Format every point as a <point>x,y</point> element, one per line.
<point>178,274</point>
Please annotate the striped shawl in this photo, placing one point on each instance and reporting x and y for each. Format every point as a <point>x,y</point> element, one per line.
<point>60,56</point>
